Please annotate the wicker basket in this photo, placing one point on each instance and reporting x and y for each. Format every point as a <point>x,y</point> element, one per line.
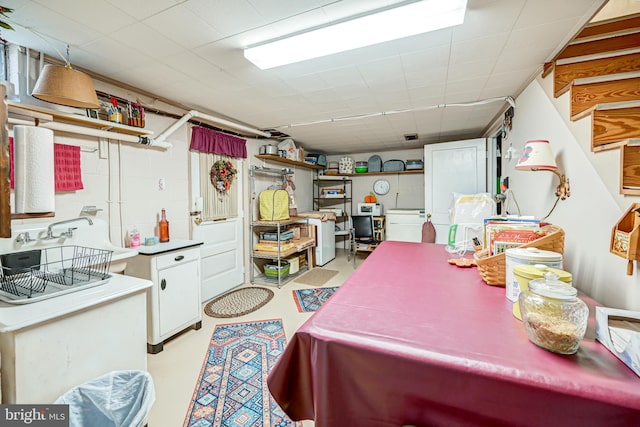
<point>493,268</point>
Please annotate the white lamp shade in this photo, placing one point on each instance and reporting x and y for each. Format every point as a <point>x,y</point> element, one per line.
<point>537,154</point>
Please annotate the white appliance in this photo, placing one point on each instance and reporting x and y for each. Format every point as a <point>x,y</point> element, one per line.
<point>325,240</point>
<point>404,225</point>
<point>374,209</point>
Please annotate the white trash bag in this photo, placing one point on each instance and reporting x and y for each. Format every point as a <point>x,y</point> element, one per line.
<point>466,216</point>
<point>118,399</point>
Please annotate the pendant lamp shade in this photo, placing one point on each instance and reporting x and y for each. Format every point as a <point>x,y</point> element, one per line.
<point>65,86</point>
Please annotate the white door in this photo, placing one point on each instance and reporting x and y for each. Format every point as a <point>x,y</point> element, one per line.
<point>221,254</point>
<point>452,167</point>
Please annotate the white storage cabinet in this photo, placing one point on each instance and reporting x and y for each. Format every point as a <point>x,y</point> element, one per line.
<point>173,304</point>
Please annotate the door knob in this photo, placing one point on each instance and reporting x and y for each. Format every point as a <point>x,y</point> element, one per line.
<point>163,284</point>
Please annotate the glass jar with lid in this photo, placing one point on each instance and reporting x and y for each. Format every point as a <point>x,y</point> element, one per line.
<point>553,316</point>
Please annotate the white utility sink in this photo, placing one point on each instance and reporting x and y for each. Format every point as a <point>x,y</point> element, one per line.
<point>43,260</point>
<point>95,235</point>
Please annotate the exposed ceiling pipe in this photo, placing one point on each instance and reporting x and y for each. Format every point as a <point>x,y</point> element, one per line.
<point>64,127</point>
<point>218,120</point>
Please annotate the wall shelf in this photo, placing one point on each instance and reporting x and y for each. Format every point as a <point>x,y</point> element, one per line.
<point>31,112</point>
<point>285,161</point>
<point>406,172</point>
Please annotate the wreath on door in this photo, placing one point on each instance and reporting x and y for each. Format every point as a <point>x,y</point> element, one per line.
<point>222,173</point>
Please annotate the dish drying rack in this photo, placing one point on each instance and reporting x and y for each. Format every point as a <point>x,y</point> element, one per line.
<point>43,273</point>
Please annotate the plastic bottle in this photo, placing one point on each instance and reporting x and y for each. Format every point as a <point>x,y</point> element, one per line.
<point>134,238</point>
<point>163,227</point>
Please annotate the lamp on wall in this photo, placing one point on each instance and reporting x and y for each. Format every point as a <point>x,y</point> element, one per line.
<point>65,86</point>
<point>537,156</point>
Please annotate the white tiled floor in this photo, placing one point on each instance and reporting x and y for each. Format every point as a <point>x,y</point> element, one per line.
<point>175,370</point>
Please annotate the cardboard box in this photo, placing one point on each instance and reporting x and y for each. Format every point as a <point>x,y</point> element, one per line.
<point>619,331</point>
<point>301,231</point>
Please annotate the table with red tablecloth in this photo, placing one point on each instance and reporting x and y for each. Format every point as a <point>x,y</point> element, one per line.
<point>409,339</point>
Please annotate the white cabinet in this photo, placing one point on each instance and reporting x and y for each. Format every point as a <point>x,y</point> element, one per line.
<point>174,301</point>
<point>53,345</point>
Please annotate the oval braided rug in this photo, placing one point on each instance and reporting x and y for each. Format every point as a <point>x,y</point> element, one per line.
<point>238,303</point>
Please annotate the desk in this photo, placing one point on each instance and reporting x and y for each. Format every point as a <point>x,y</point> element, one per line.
<point>410,339</point>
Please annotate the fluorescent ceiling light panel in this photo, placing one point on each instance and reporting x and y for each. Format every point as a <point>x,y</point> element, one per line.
<point>378,27</point>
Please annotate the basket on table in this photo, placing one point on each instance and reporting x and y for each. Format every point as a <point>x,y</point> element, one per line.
<point>493,268</point>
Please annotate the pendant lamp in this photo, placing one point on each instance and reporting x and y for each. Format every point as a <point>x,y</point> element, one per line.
<point>65,86</point>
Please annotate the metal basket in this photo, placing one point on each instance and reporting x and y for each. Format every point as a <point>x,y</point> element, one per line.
<point>65,266</point>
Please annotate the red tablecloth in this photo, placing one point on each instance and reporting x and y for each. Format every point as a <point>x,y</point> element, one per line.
<point>410,339</point>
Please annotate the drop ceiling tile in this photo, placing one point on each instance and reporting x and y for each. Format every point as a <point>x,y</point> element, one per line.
<point>427,95</point>
<point>143,37</point>
<point>224,55</point>
<point>425,78</point>
<point>229,17</point>
<point>184,27</point>
<point>506,80</point>
<point>522,61</point>
<point>56,29</point>
<point>337,11</point>
<point>479,48</point>
<point>101,16</point>
<point>275,9</point>
<point>151,76</point>
<point>486,17</point>
<point>123,56</point>
<point>470,86</point>
<point>142,10</point>
<point>190,64</point>
<point>435,57</point>
<point>382,72</point>
<point>538,12</point>
<point>545,36</point>
<point>343,77</point>
<point>468,70</point>
<point>307,84</point>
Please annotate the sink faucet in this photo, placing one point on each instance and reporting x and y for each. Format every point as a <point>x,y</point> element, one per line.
<point>69,232</point>
<point>24,238</point>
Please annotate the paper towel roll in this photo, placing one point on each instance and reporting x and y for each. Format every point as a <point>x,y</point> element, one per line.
<point>33,169</point>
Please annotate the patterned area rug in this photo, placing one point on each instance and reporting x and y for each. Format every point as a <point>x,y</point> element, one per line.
<point>238,303</point>
<point>312,299</point>
<point>232,390</point>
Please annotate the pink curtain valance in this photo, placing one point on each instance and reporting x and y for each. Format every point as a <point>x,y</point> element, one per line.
<point>211,141</point>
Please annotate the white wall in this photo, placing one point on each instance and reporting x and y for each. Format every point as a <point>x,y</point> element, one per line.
<point>591,212</point>
<point>407,191</point>
<point>122,180</point>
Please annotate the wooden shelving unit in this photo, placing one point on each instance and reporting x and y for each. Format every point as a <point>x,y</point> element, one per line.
<point>285,161</point>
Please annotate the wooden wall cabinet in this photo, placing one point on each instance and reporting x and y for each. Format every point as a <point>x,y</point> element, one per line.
<point>625,236</point>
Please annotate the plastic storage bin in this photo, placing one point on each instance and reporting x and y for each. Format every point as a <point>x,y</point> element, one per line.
<point>271,270</point>
<point>118,399</point>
